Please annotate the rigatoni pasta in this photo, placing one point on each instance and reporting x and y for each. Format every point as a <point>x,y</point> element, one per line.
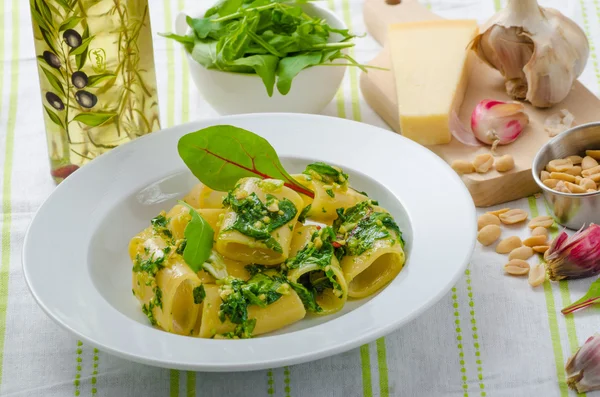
<point>265,269</point>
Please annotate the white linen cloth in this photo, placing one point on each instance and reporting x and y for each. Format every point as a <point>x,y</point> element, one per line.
<point>492,335</point>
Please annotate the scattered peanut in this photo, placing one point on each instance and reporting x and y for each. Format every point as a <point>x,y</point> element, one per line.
<point>541,248</point>
<point>483,163</point>
<point>513,216</point>
<point>542,220</point>
<point>523,253</point>
<point>489,234</point>
<point>559,165</point>
<point>588,162</point>
<point>498,212</point>
<point>590,171</point>
<point>505,163</point>
<point>575,171</point>
<point>487,219</point>
<point>595,177</point>
<point>544,175</point>
<point>588,184</point>
<point>562,176</point>
<point>508,244</point>
<point>517,267</point>
<point>540,231</point>
<point>537,275</point>
<point>535,241</point>
<point>551,183</point>
<point>595,154</point>
<point>573,188</point>
<point>576,160</point>
<point>463,167</point>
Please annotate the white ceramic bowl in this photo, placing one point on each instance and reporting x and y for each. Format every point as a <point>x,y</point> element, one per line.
<point>81,277</point>
<point>233,93</point>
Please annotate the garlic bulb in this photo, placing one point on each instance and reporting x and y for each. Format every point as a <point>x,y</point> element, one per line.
<point>539,51</point>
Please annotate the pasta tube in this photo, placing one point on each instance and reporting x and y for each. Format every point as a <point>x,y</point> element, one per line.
<point>313,265</point>
<point>372,246</point>
<point>258,222</point>
<point>332,191</point>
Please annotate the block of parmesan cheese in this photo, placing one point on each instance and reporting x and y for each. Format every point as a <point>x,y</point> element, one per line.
<point>430,67</point>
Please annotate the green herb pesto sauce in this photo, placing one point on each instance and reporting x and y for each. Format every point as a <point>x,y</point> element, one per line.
<point>261,289</point>
<point>159,224</point>
<point>360,226</point>
<point>151,266</point>
<point>319,251</point>
<point>257,219</point>
<point>326,173</point>
<point>199,294</point>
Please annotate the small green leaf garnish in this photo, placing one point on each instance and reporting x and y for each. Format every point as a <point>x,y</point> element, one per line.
<point>219,156</point>
<point>199,240</point>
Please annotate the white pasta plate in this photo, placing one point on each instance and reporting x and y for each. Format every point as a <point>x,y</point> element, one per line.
<point>76,262</point>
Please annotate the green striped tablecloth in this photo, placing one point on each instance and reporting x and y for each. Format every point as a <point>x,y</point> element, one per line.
<point>490,336</point>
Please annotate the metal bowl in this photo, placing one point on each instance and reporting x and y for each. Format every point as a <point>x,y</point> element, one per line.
<point>570,210</point>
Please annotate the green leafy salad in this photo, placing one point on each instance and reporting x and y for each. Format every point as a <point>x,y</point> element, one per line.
<point>273,39</point>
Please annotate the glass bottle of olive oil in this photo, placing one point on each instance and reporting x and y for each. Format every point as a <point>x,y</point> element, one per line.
<point>97,77</point>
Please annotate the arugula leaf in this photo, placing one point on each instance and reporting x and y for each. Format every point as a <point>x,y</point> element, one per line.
<point>264,66</point>
<point>590,298</point>
<point>186,40</point>
<point>219,156</point>
<point>289,68</point>
<point>205,53</point>
<point>199,240</point>
<point>202,27</point>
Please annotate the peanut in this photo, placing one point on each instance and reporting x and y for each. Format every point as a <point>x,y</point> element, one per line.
<point>595,177</point>
<point>541,248</point>
<point>542,220</point>
<point>483,163</point>
<point>513,216</point>
<point>537,275</point>
<point>591,171</point>
<point>505,163</point>
<point>534,241</point>
<point>544,175</point>
<point>578,180</point>
<point>551,183</point>
<point>489,234</point>
<point>523,253</point>
<point>462,167</point>
<point>575,171</point>
<point>573,188</point>
<point>487,219</point>
<point>562,176</point>
<point>591,191</point>
<point>517,267</point>
<point>588,162</point>
<point>576,160</point>
<point>595,154</point>
<point>508,244</point>
<point>587,184</point>
<point>559,165</point>
<point>498,212</point>
<point>540,231</point>
<point>561,187</point>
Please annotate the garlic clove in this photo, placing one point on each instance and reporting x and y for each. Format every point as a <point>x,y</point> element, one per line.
<point>495,122</point>
<point>576,256</point>
<point>583,369</point>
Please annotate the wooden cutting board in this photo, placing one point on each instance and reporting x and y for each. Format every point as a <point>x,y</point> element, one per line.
<point>379,90</point>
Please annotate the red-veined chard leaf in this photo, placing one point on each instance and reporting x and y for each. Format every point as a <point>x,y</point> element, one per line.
<point>199,240</point>
<point>222,154</point>
<point>591,297</point>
